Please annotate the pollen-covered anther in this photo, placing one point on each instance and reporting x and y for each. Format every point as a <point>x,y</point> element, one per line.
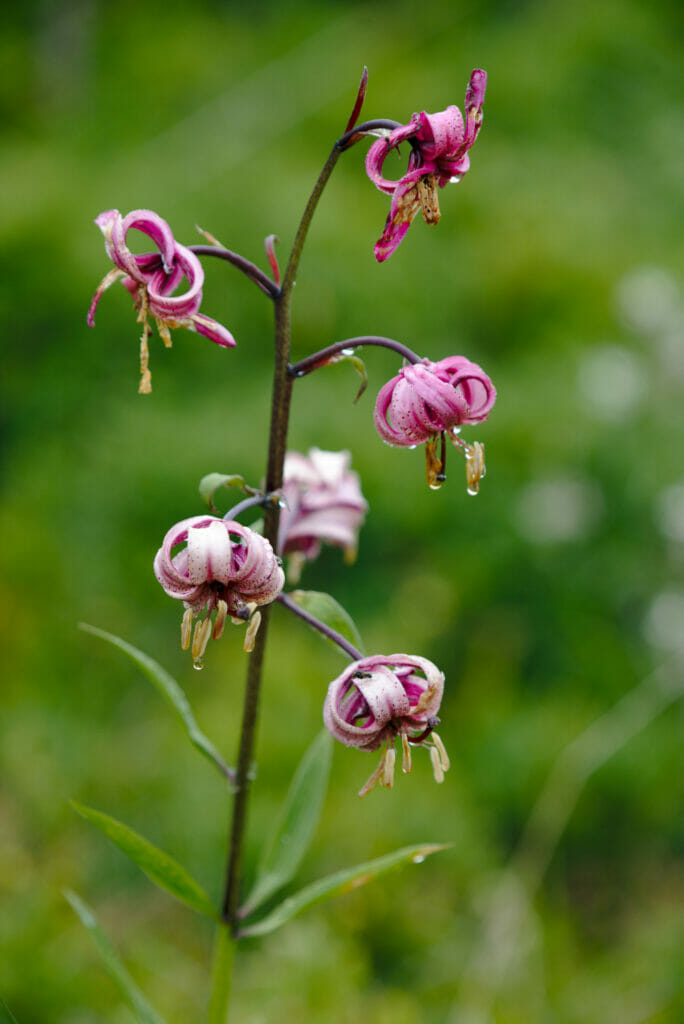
<point>475,466</point>
<point>437,770</point>
<point>388,761</point>
<point>200,638</point>
<point>220,621</point>
<point>186,628</point>
<point>434,462</point>
<point>406,763</point>
<point>429,198</point>
<point>251,634</point>
<point>372,781</point>
<point>441,750</point>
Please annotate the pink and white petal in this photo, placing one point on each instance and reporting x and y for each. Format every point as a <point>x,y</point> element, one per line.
<point>167,306</point>
<point>209,553</point>
<point>384,694</point>
<point>211,329</point>
<point>152,225</point>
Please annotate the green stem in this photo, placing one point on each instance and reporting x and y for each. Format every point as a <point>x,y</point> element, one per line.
<point>221,975</point>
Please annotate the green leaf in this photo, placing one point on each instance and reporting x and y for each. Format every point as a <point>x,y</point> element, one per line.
<point>330,612</point>
<point>170,690</point>
<point>339,883</point>
<point>359,366</point>
<point>295,824</point>
<point>164,871</point>
<point>112,961</point>
<point>210,483</point>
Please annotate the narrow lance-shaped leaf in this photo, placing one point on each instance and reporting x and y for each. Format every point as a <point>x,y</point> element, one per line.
<point>295,824</point>
<point>337,884</point>
<point>162,869</point>
<point>210,483</point>
<point>170,690</point>
<point>330,612</point>
<point>112,961</point>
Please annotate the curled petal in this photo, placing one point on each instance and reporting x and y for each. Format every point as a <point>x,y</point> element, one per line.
<point>114,227</point>
<point>211,329</point>
<point>167,306</point>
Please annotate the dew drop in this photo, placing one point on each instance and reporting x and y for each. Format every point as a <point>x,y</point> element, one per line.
<point>435,485</point>
<point>198,664</point>
<point>472,491</point>
<point>418,859</point>
<point>456,430</point>
<point>456,178</point>
<point>411,447</point>
<point>347,352</point>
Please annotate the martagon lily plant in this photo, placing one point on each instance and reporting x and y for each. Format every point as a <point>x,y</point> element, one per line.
<point>227,574</point>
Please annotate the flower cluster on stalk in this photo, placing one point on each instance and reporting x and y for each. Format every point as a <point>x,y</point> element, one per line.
<point>220,569</point>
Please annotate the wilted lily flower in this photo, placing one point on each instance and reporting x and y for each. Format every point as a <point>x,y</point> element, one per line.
<point>224,567</point>
<point>152,279</point>
<point>324,505</point>
<point>380,699</point>
<point>427,402</point>
<point>439,155</point>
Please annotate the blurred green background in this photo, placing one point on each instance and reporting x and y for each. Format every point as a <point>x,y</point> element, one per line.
<point>546,600</point>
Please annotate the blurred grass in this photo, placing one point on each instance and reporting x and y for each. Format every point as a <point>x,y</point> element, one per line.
<point>538,599</point>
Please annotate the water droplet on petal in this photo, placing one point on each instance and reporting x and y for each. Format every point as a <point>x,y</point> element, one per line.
<point>198,664</point>
<point>472,491</point>
<point>347,352</point>
<point>456,430</point>
<point>456,178</point>
<point>418,858</point>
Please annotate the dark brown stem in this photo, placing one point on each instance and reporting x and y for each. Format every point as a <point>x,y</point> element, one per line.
<point>328,631</point>
<point>280,414</point>
<point>312,362</point>
<point>355,134</point>
<point>253,272</point>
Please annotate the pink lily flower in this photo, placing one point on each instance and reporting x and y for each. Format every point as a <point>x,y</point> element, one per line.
<point>324,505</point>
<point>439,155</point>
<point>427,401</point>
<point>152,279</point>
<point>384,697</point>
<point>224,567</point>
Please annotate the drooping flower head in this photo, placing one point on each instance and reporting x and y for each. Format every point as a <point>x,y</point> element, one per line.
<point>382,698</point>
<point>427,402</point>
<point>439,155</point>
<point>224,567</point>
<point>152,279</point>
<point>324,505</point>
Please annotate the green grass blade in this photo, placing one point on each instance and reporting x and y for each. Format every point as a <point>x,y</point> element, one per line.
<point>339,883</point>
<point>170,691</point>
<point>162,869</point>
<point>112,961</point>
